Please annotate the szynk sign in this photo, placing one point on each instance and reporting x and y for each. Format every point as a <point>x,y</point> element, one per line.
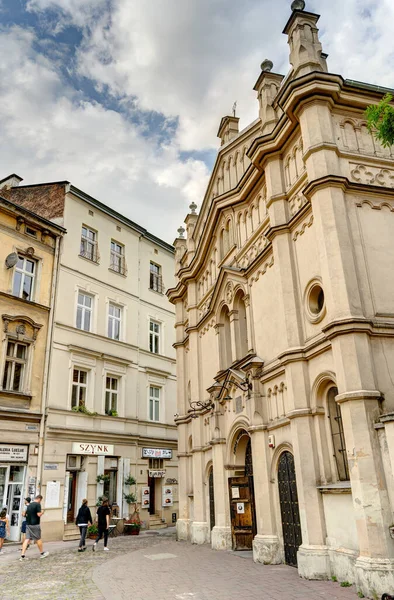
<point>94,449</point>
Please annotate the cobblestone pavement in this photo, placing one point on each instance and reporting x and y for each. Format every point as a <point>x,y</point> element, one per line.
<point>152,567</point>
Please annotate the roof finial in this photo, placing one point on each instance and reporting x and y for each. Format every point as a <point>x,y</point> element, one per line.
<point>297,5</point>
<point>235,109</point>
<point>181,231</point>
<point>267,65</point>
<point>193,207</point>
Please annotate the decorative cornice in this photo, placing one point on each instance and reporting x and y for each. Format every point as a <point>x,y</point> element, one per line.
<point>359,395</point>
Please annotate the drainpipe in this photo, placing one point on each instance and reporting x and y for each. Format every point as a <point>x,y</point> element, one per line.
<point>48,355</point>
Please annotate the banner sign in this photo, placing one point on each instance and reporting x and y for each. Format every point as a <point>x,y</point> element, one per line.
<point>156,473</point>
<point>95,449</point>
<point>145,499</point>
<point>9,452</point>
<point>156,453</point>
<point>167,496</point>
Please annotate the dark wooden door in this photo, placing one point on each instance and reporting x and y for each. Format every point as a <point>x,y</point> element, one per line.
<point>72,485</point>
<point>152,484</point>
<point>211,500</point>
<point>242,512</point>
<point>292,537</point>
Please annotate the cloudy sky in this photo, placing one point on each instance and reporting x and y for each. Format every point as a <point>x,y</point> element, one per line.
<point>123,97</point>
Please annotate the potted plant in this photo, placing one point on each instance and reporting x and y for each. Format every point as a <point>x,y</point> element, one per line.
<point>112,413</point>
<point>130,480</point>
<point>92,531</point>
<point>133,524</point>
<point>99,501</point>
<point>130,498</point>
<point>102,478</point>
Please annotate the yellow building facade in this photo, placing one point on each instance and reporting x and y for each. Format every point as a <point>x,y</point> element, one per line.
<point>29,251</point>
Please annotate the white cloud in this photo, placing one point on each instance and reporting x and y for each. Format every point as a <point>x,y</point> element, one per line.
<point>49,133</point>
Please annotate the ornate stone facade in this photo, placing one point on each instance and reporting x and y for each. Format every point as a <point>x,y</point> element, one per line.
<point>285,321</point>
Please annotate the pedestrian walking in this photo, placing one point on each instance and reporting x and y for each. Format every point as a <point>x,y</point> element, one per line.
<point>103,513</point>
<point>83,520</point>
<point>4,528</point>
<point>23,528</point>
<point>34,513</point>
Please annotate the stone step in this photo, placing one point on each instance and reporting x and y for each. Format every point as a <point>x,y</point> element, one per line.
<point>158,526</point>
<point>71,532</point>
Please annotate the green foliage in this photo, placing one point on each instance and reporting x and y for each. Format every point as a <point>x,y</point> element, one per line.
<point>99,500</point>
<point>130,480</point>
<point>360,595</point>
<point>345,584</point>
<point>380,120</point>
<point>102,478</point>
<point>333,578</point>
<point>112,413</point>
<point>93,530</point>
<point>82,409</point>
<point>130,498</point>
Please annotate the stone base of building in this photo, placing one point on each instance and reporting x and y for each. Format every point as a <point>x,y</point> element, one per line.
<point>374,576</point>
<point>313,562</point>
<point>52,531</point>
<point>199,532</point>
<point>342,563</point>
<point>267,550</point>
<point>221,538</point>
<point>183,530</point>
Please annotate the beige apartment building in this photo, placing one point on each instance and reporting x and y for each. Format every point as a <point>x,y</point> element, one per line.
<point>111,393</point>
<point>284,331</point>
<point>29,253</point>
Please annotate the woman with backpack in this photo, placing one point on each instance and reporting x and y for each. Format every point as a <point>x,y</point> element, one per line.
<point>83,520</point>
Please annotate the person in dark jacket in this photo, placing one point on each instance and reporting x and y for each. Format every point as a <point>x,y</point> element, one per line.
<point>83,520</point>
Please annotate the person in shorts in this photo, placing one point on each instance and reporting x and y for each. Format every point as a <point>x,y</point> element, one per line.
<point>34,513</point>
<point>23,528</point>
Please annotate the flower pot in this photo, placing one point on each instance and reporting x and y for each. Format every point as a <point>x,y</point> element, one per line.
<point>134,531</point>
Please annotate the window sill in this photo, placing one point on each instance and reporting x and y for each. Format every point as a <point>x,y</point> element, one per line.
<point>117,272</point>
<point>156,291</point>
<point>89,260</point>
<point>340,487</point>
<point>12,394</point>
<point>15,400</point>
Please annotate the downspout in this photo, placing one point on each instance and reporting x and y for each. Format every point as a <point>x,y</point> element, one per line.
<point>48,356</point>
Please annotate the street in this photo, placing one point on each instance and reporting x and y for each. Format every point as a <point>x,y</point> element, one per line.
<point>153,567</point>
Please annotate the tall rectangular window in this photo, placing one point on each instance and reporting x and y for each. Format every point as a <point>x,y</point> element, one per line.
<point>114,321</point>
<point>15,365</point>
<point>117,262</point>
<point>89,247</point>
<point>24,275</point>
<point>111,394</point>
<point>79,388</point>
<point>84,311</point>
<point>154,403</point>
<point>155,279</point>
<point>154,337</point>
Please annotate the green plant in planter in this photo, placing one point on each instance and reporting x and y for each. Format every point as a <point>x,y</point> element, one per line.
<point>130,498</point>
<point>99,501</point>
<point>112,413</point>
<point>130,480</point>
<point>81,408</point>
<point>93,530</point>
<point>380,120</point>
<point>102,478</point>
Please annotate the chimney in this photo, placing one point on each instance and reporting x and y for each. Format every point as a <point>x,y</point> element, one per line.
<point>306,53</point>
<point>267,87</point>
<point>10,182</point>
<point>228,129</point>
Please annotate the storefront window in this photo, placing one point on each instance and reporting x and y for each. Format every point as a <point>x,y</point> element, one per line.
<point>16,474</point>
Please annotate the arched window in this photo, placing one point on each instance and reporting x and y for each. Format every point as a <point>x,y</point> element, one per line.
<point>338,437</point>
<point>225,339</point>
<point>241,330</point>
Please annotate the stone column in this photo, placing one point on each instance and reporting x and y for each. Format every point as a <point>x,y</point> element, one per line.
<point>183,522</point>
<point>266,546</point>
<point>234,335</point>
<point>221,533</point>
<point>199,526</point>
<point>313,560</point>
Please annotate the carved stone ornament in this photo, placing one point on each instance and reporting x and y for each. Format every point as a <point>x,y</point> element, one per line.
<point>229,292</point>
<point>21,322</point>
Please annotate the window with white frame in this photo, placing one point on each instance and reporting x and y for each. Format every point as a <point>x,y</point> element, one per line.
<point>114,321</point>
<point>154,403</point>
<point>24,278</point>
<point>155,279</point>
<point>117,262</point>
<point>79,388</point>
<point>89,247</point>
<point>15,366</point>
<point>154,336</point>
<point>111,395</point>
<point>84,311</point>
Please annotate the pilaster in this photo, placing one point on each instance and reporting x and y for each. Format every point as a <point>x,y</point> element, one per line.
<point>221,533</point>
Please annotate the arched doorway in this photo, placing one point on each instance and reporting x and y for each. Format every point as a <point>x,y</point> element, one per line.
<point>292,537</point>
<point>211,499</point>
<point>241,492</point>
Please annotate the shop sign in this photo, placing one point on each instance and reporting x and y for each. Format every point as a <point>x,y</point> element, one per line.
<point>94,449</point>
<point>156,453</point>
<point>9,452</point>
<point>31,427</point>
<point>51,466</point>
<point>156,473</point>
